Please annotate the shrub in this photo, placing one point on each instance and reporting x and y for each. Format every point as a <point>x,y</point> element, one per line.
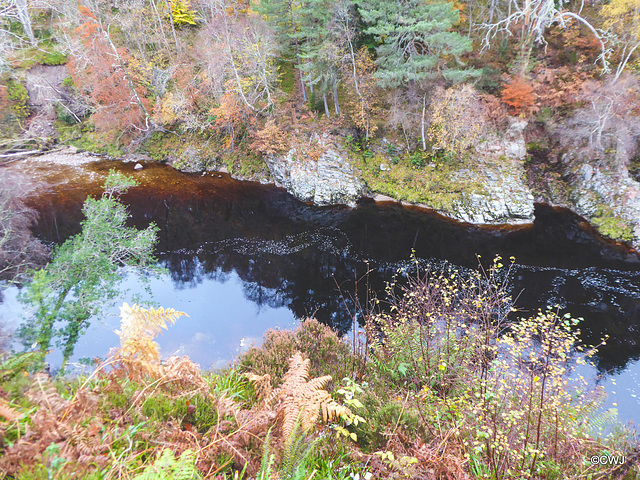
<point>440,326</point>
<point>518,94</point>
<point>328,354</point>
<point>499,397</point>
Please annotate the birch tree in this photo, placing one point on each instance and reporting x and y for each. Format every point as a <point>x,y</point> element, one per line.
<point>248,52</point>
<point>19,10</point>
<point>622,22</point>
<point>608,120</point>
<point>532,18</point>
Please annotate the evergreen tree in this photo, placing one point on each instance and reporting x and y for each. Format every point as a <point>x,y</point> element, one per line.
<point>283,15</point>
<point>415,40</point>
<point>320,49</point>
<point>83,273</point>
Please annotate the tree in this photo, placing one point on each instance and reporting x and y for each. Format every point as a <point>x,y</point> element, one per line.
<point>457,118</point>
<point>608,119</point>
<point>320,47</point>
<point>19,250</point>
<point>283,15</point>
<point>532,18</point>
<point>622,19</point>
<point>19,10</point>
<point>100,69</point>
<point>362,108</point>
<point>416,39</point>
<point>242,54</point>
<point>84,272</point>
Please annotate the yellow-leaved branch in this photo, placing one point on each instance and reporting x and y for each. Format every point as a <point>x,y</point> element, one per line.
<point>139,327</point>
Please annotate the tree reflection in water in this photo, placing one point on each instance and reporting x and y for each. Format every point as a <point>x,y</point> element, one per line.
<point>291,254</point>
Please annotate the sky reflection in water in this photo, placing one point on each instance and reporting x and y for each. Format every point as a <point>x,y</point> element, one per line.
<point>244,257</point>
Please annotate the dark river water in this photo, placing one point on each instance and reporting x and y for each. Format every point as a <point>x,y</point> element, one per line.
<point>243,257</point>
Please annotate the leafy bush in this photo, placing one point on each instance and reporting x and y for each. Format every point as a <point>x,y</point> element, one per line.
<point>440,326</point>
<point>496,392</point>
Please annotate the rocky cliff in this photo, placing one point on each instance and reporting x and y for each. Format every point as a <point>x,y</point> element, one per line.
<point>497,167</point>
<point>324,178</point>
<point>609,197</point>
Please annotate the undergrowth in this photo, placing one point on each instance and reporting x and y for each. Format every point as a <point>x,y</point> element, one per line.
<point>449,389</point>
<point>416,178</point>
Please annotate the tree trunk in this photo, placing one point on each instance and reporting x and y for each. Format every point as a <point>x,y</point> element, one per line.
<point>233,65</point>
<point>160,26</point>
<point>132,87</point>
<point>25,20</point>
<point>524,55</point>
<point>309,74</point>
<point>422,126</point>
<point>326,106</point>
<point>304,90</point>
<point>336,105</point>
<point>173,27</point>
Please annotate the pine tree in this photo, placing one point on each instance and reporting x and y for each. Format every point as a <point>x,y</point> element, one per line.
<point>318,49</point>
<point>283,15</point>
<point>415,40</point>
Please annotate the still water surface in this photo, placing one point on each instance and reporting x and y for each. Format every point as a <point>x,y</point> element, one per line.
<point>243,257</point>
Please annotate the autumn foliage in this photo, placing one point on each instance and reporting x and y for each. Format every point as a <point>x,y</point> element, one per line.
<point>361,105</point>
<point>99,68</point>
<point>518,94</point>
<point>271,139</point>
<point>457,118</point>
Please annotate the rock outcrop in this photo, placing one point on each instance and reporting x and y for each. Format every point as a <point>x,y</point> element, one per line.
<point>324,179</point>
<point>608,197</point>
<point>497,169</point>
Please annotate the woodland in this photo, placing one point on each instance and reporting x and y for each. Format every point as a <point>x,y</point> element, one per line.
<point>438,385</point>
<point>410,87</point>
<point>218,82</point>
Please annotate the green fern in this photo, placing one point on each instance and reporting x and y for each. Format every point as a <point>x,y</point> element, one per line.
<point>167,467</point>
<point>599,424</point>
<point>12,365</point>
<point>297,458</point>
<point>268,459</point>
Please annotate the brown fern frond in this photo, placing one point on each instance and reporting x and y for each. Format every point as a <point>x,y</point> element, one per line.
<point>7,412</point>
<point>184,375</point>
<point>74,426</point>
<point>298,370</point>
<point>262,384</point>
<point>301,399</point>
<point>44,394</point>
<point>318,383</point>
<point>226,406</point>
<point>139,354</point>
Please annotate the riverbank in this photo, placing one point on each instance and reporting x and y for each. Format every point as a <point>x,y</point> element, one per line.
<point>510,164</point>
<point>390,410</point>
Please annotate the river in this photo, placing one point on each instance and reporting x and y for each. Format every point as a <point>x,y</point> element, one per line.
<point>242,257</point>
